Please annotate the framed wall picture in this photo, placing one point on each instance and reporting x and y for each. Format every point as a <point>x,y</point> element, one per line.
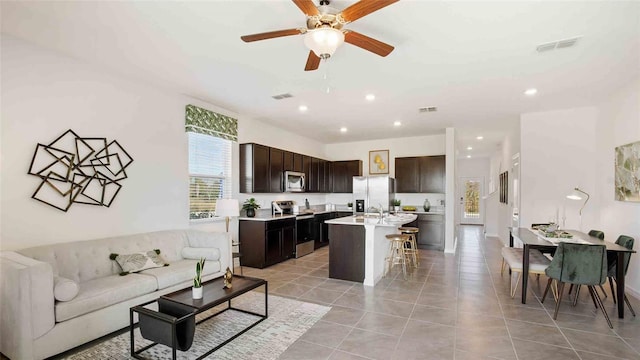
<point>627,172</point>
<point>378,162</point>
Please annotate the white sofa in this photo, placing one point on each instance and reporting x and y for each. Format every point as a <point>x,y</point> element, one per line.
<point>34,325</point>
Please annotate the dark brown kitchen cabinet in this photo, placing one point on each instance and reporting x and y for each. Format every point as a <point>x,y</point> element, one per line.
<point>297,162</point>
<point>276,170</point>
<point>343,173</point>
<point>306,168</point>
<point>432,174</point>
<point>287,160</point>
<point>407,177</point>
<point>265,243</point>
<point>255,175</point>
<point>422,174</point>
<point>346,252</point>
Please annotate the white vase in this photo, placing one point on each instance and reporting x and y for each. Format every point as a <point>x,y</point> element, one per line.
<point>197,292</point>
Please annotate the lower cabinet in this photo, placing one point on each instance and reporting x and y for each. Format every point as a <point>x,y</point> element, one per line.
<point>431,235</point>
<point>264,243</point>
<point>346,252</point>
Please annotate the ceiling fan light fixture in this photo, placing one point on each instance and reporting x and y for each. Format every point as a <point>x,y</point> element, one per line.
<point>323,41</point>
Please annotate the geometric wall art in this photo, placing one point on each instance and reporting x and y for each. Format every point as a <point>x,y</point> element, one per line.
<point>79,170</point>
<point>627,170</point>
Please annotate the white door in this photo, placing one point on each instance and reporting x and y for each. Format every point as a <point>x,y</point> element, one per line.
<point>471,206</point>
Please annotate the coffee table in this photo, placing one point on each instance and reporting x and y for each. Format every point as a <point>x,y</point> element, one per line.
<point>213,295</point>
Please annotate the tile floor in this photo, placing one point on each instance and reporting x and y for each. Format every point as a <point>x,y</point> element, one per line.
<point>451,307</point>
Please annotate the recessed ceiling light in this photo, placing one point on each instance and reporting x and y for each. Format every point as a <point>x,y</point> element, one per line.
<point>479,137</point>
<point>468,156</point>
<point>303,108</point>
<point>397,123</point>
<point>469,148</point>
<point>343,129</point>
<point>370,97</point>
<point>531,92</point>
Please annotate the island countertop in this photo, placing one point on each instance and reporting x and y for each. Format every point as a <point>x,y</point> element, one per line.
<point>387,221</point>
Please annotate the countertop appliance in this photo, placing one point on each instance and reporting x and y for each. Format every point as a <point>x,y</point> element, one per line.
<point>294,181</point>
<point>373,191</point>
<point>305,234</point>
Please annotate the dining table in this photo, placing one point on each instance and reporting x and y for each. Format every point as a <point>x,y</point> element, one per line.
<point>532,239</point>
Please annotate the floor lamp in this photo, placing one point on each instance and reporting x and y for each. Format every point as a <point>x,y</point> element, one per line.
<point>578,194</point>
<point>229,208</point>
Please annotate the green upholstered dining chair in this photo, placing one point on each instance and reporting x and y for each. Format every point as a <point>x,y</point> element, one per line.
<point>626,241</point>
<point>600,235</point>
<point>578,264</point>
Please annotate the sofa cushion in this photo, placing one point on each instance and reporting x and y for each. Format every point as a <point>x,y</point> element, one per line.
<point>100,293</point>
<point>194,253</point>
<point>180,271</point>
<point>64,289</point>
<point>138,261</point>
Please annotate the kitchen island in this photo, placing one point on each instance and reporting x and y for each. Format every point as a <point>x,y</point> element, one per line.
<point>358,246</point>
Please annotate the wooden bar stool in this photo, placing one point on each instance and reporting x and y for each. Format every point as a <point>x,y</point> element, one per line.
<point>397,253</point>
<point>412,250</point>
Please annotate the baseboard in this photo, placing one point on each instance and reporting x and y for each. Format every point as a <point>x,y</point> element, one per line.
<point>490,235</point>
<point>631,291</point>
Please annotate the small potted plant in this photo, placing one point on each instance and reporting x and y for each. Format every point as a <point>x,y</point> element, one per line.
<point>197,280</point>
<point>349,206</point>
<point>396,205</point>
<point>250,207</point>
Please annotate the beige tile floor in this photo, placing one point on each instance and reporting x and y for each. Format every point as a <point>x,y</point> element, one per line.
<point>451,307</point>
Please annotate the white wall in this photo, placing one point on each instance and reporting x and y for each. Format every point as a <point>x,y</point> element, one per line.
<point>618,124</point>
<point>557,154</point>
<point>43,95</point>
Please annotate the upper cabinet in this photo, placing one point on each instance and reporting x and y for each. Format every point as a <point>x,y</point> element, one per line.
<point>343,173</point>
<point>421,174</point>
<point>262,170</point>
<point>255,171</point>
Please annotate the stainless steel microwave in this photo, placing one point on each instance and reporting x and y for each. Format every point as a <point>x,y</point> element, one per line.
<point>294,181</point>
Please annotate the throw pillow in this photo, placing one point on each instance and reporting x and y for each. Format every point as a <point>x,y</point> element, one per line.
<point>64,289</point>
<point>194,253</point>
<point>139,261</point>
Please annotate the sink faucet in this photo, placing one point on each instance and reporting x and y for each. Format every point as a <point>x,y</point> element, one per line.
<point>379,210</point>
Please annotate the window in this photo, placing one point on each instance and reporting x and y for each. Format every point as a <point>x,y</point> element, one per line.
<point>209,173</point>
<point>210,138</point>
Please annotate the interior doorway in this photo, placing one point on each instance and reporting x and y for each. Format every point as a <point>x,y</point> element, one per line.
<point>471,207</point>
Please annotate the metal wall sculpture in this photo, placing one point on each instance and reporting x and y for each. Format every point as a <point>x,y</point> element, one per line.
<point>79,170</point>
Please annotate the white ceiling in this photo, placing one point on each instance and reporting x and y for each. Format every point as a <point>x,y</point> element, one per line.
<point>472,60</point>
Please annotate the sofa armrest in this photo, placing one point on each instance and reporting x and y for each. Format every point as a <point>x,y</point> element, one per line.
<point>220,240</point>
<point>26,303</point>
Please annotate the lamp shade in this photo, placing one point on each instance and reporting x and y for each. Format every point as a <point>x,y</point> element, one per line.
<point>577,194</point>
<point>323,41</point>
<point>227,207</point>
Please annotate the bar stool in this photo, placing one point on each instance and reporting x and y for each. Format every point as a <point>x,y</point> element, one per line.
<point>397,253</point>
<point>412,250</point>
<point>237,255</point>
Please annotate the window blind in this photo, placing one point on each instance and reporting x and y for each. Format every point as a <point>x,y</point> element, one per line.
<point>209,173</point>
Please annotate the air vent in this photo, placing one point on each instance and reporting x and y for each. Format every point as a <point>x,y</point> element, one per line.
<point>560,44</point>
<point>282,96</point>
<point>428,109</point>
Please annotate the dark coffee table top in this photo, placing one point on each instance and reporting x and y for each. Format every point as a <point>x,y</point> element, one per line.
<point>213,293</point>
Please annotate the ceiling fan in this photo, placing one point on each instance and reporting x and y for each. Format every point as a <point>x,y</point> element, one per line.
<point>324,31</point>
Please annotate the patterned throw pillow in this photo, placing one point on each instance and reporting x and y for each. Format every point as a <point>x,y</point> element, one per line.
<point>139,261</point>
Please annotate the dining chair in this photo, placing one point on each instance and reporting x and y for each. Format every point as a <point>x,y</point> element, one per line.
<point>626,241</point>
<point>600,235</point>
<point>578,264</point>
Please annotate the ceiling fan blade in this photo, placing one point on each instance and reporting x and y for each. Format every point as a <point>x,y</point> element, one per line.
<point>313,61</point>
<point>270,35</point>
<point>307,7</point>
<point>367,43</point>
<point>363,8</point>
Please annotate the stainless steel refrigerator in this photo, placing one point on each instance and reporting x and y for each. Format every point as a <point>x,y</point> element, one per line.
<point>373,191</point>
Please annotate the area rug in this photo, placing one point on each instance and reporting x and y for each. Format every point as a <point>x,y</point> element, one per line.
<point>288,320</point>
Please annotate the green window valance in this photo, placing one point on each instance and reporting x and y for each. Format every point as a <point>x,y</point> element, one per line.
<point>207,122</point>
